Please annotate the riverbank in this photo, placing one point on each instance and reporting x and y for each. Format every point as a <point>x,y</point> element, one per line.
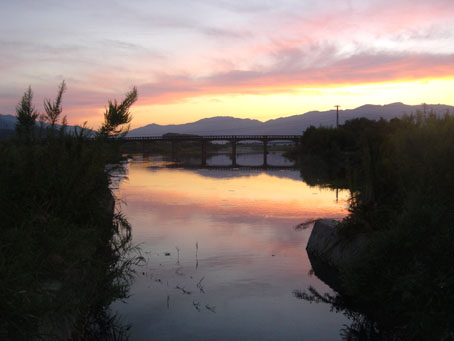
<point>61,239</point>
<point>400,176</point>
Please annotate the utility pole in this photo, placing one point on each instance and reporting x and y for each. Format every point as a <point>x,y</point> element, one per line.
<point>337,115</point>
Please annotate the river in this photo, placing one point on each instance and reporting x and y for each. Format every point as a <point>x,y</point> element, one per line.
<point>223,254</point>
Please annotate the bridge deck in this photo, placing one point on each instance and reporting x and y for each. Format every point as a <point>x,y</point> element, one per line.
<point>216,137</point>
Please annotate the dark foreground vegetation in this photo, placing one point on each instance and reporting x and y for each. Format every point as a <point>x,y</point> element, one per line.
<point>401,176</point>
<point>64,251</point>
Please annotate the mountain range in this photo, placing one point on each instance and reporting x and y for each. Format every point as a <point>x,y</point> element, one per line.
<point>8,126</point>
<point>292,125</point>
<point>7,122</point>
<point>223,125</point>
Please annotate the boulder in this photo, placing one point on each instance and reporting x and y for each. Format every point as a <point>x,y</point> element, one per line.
<point>328,251</point>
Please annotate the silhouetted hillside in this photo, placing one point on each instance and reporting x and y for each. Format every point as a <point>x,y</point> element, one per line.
<point>215,125</point>
<point>285,125</point>
<point>8,125</point>
<point>7,122</point>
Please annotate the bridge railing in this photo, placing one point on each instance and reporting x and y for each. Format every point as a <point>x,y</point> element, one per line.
<point>214,137</point>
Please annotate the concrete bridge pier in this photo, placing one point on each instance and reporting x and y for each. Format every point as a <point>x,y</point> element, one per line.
<point>204,152</point>
<point>147,148</point>
<point>146,155</point>
<point>233,141</point>
<point>173,150</point>
<point>265,152</point>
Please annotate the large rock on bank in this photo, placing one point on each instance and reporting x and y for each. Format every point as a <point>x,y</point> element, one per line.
<point>328,251</point>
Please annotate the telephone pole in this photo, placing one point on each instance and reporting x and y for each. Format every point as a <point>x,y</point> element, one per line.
<point>337,115</point>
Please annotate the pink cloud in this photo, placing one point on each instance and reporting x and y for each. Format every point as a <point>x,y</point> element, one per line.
<point>258,49</point>
<point>289,72</point>
<point>284,77</point>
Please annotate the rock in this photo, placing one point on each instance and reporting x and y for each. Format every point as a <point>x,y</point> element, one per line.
<point>328,251</point>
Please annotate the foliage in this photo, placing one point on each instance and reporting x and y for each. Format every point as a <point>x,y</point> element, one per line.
<point>415,281</point>
<point>64,253</point>
<point>54,109</point>
<point>400,173</point>
<point>117,115</point>
<point>26,115</point>
<point>56,228</point>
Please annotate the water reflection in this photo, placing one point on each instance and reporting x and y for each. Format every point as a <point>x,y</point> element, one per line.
<point>359,328</point>
<point>118,259</point>
<point>223,255</point>
<point>243,159</point>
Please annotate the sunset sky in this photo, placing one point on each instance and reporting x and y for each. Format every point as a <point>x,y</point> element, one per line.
<point>192,59</point>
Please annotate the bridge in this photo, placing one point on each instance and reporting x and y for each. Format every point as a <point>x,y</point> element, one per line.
<point>233,139</point>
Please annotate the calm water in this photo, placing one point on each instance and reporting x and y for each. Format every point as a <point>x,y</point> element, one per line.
<point>223,255</point>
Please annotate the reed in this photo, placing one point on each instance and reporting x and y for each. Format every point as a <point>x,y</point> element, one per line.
<point>64,253</point>
<point>400,176</point>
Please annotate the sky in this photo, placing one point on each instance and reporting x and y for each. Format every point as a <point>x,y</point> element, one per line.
<point>258,59</point>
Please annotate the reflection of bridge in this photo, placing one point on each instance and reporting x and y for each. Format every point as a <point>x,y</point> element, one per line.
<point>229,168</point>
<point>233,139</point>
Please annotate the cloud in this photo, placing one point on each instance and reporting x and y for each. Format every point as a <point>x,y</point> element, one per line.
<point>217,33</point>
<point>175,51</point>
<point>290,72</point>
<point>253,6</point>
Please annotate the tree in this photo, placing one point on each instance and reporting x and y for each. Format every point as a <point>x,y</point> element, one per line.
<point>53,110</point>
<point>117,115</point>
<point>26,115</point>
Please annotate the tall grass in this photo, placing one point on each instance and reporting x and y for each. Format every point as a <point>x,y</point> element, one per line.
<point>64,252</point>
<point>401,176</point>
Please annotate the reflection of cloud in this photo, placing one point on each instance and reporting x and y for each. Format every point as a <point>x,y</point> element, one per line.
<point>183,206</point>
<point>269,234</point>
<point>258,213</point>
<point>228,174</point>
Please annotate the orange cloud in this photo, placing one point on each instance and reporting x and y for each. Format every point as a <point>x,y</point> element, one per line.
<point>178,56</point>
<point>358,69</point>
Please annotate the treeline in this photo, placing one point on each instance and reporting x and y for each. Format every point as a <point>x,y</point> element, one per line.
<point>400,173</point>
<point>63,248</point>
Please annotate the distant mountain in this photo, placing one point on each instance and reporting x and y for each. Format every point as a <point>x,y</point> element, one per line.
<point>208,126</point>
<point>7,122</point>
<point>296,124</point>
<point>8,125</point>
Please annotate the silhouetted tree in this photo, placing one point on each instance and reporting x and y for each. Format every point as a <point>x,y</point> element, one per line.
<point>26,116</point>
<point>117,115</point>
<point>54,109</point>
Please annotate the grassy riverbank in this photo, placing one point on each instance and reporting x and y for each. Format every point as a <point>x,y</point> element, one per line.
<point>63,248</point>
<point>400,174</point>
<point>60,241</point>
